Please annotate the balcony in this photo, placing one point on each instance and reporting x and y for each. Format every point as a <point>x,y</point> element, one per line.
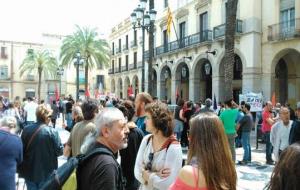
<point>132,66</point>
<point>118,50</point>
<point>188,41</point>
<point>133,44</point>
<point>139,65</point>
<point>110,71</point>
<point>219,31</point>
<point>30,77</point>
<point>284,30</point>
<point>125,47</point>
<point>124,68</point>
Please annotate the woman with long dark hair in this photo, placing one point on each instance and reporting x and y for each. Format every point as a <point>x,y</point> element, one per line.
<point>210,166</point>
<point>286,174</point>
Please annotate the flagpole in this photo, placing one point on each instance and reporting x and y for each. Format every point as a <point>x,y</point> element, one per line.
<point>175,29</point>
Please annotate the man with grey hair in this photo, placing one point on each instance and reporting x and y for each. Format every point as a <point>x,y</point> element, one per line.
<point>102,171</point>
<point>207,107</point>
<point>11,152</point>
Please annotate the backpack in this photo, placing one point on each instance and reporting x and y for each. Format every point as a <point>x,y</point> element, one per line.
<point>65,176</point>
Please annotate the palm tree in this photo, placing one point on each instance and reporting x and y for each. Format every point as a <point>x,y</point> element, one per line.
<point>231,10</point>
<point>94,50</point>
<point>41,62</point>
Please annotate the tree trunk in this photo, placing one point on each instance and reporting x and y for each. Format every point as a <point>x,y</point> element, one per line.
<point>86,77</point>
<point>39,83</point>
<point>151,53</point>
<point>229,46</point>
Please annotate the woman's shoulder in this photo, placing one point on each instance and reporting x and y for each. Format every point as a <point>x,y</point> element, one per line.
<point>189,174</point>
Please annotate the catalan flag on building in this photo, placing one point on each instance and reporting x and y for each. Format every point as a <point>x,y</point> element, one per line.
<point>169,21</point>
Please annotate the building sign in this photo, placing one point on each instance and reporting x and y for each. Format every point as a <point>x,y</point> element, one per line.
<point>254,99</point>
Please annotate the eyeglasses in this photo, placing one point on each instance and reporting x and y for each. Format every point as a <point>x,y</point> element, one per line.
<point>149,164</point>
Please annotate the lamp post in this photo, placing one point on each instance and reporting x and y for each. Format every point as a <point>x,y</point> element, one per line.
<point>60,72</point>
<point>78,60</point>
<point>144,21</point>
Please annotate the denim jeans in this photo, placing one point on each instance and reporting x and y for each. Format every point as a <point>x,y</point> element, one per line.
<point>231,140</point>
<point>268,146</point>
<point>32,185</point>
<point>246,146</point>
<point>69,119</point>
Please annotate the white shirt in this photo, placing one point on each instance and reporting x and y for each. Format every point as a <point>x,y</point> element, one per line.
<point>171,158</point>
<point>30,109</point>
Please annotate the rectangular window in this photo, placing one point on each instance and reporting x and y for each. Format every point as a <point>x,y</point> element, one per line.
<point>126,61</point>
<point>4,52</point>
<point>165,40</point>
<point>120,45</point>
<point>166,3</point>
<point>287,22</point>
<point>203,26</point>
<point>100,81</point>
<point>113,48</point>
<point>135,37</point>
<point>120,64</point>
<point>113,65</point>
<point>3,72</point>
<point>135,59</point>
<point>126,41</point>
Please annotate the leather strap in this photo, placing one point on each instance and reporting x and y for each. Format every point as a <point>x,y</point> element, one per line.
<point>32,137</point>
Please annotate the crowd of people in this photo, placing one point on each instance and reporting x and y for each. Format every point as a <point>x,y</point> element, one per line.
<point>149,139</point>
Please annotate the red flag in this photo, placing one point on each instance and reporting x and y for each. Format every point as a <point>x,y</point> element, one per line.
<point>56,93</point>
<point>87,93</point>
<point>273,99</point>
<point>177,92</point>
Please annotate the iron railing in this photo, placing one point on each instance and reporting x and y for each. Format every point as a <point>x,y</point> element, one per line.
<point>219,31</point>
<point>124,68</point>
<point>200,37</point>
<point>284,30</point>
<point>110,71</point>
<point>132,66</point>
<point>133,43</point>
<point>125,47</point>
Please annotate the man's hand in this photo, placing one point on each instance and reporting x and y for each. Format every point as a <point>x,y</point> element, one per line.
<point>163,173</point>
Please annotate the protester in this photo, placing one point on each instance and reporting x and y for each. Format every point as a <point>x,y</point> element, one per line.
<point>295,130</point>
<point>102,172</point>
<point>245,125</point>
<point>178,114</point>
<point>228,117</point>
<point>268,121</point>
<point>207,108</point>
<point>41,147</point>
<point>286,173</point>
<point>159,157</point>
<point>188,111</point>
<point>280,132</point>
<point>69,104</point>
<point>30,110</point>
<point>141,101</point>
<point>208,146</point>
<point>55,113</point>
<point>82,129</point>
<point>11,152</point>
<point>128,155</point>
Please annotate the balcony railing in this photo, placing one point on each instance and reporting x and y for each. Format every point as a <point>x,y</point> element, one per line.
<point>118,50</point>
<point>124,68</point>
<point>133,44</point>
<point>219,31</point>
<point>110,71</point>
<point>200,37</point>
<point>125,47</point>
<point>30,77</point>
<point>284,30</point>
<point>139,65</point>
<point>132,66</point>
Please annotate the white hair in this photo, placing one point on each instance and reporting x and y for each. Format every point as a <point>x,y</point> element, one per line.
<point>105,118</point>
<point>8,121</point>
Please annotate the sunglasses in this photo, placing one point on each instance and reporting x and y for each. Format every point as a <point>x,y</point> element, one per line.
<point>149,164</point>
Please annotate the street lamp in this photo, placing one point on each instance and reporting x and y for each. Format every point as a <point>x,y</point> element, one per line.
<point>78,61</point>
<point>60,72</point>
<point>144,21</point>
<point>207,68</point>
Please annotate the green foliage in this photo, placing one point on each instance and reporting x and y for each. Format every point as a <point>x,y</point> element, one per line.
<point>94,50</point>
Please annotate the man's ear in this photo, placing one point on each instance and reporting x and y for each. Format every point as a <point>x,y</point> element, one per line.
<point>105,131</point>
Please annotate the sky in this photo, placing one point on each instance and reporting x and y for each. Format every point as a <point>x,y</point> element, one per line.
<point>26,20</point>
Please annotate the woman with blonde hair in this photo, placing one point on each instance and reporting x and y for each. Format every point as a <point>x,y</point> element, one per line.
<point>210,166</point>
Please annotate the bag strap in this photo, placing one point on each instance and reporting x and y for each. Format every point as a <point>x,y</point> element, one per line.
<point>32,137</point>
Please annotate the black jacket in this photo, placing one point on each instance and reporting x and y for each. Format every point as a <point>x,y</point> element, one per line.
<point>41,155</point>
<point>295,132</point>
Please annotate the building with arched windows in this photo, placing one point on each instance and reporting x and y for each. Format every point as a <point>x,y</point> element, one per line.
<point>267,51</point>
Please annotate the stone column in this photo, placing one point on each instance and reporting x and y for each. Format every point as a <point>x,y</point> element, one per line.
<point>192,89</point>
<point>173,90</point>
<point>252,80</point>
<point>267,84</point>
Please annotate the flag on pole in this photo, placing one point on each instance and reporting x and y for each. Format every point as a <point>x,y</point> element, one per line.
<point>273,99</point>
<point>215,103</point>
<point>56,93</point>
<point>169,21</point>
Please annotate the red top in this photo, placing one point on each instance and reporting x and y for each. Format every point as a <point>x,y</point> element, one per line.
<point>180,185</point>
<point>266,127</point>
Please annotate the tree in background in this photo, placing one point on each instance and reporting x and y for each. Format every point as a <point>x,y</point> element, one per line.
<point>41,62</point>
<point>94,50</point>
<point>231,10</point>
